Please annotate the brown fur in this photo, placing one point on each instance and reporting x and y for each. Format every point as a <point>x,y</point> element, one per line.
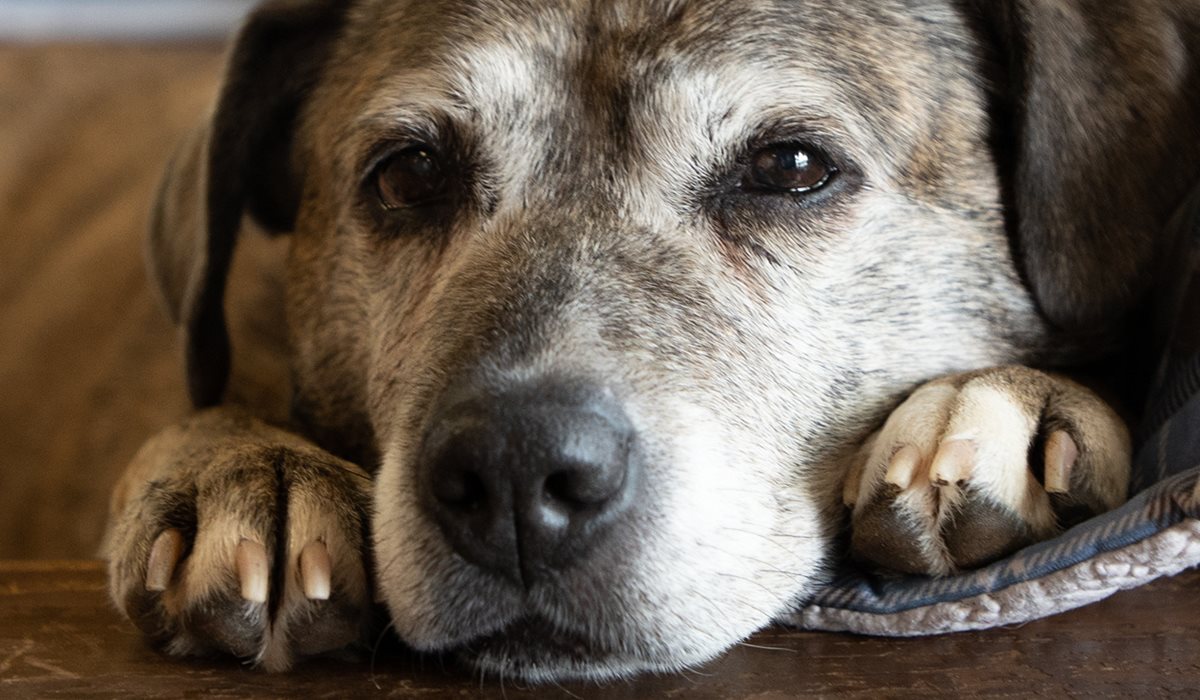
<point>757,341</point>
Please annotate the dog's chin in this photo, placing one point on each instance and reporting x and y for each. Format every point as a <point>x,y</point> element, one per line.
<point>534,650</point>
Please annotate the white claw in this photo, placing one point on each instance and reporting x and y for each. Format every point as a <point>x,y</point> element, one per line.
<point>253,571</point>
<point>164,557</point>
<point>953,463</point>
<point>903,467</point>
<point>316,571</point>
<point>1061,453</point>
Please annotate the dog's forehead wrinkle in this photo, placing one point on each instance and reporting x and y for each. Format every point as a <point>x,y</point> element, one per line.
<point>498,72</point>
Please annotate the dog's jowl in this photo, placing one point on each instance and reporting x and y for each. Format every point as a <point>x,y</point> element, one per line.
<point>607,320</point>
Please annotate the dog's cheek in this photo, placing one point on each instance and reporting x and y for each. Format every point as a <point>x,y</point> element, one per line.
<point>327,304</point>
<point>727,528</point>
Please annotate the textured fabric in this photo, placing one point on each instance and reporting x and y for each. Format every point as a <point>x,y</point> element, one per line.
<point>1157,533</point>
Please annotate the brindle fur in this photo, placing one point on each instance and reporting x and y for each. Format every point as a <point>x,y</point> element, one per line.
<point>1004,166</point>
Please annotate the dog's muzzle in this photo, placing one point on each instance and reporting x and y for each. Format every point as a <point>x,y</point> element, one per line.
<point>526,481</point>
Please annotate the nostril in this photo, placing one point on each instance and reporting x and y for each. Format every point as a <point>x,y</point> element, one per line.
<point>456,481</point>
<point>462,490</point>
<point>582,486</point>
<point>590,462</point>
<point>561,487</point>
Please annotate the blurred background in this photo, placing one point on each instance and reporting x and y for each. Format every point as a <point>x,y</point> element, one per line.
<point>30,20</point>
<point>94,96</point>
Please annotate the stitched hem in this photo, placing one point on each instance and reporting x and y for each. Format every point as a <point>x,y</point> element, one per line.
<point>1165,553</point>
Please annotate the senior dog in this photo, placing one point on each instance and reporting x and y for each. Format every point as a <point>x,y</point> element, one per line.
<point>606,318</point>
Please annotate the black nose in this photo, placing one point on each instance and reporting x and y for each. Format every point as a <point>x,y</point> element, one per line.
<point>526,481</point>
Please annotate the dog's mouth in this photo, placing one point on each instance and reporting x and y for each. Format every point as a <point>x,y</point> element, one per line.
<point>534,648</point>
<point>532,634</point>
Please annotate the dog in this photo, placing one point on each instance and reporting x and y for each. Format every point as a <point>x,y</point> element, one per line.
<point>611,326</point>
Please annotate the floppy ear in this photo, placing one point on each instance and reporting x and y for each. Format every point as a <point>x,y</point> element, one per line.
<point>239,162</point>
<point>1098,105</point>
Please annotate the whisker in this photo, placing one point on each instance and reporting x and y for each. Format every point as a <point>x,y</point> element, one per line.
<point>375,652</point>
<point>560,687</point>
<point>767,567</point>
<point>748,645</point>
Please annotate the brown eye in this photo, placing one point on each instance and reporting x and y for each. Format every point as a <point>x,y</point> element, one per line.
<point>410,178</point>
<point>787,168</point>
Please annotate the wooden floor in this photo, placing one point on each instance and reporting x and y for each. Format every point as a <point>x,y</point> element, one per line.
<point>59,637</point>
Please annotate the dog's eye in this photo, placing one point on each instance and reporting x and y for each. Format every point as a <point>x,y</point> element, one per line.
<point>788,168</point>
<point>410,178</point>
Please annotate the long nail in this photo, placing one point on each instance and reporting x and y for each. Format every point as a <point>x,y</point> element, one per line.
<point>253,571</point>
<point>953,463</point>
<point>903,467</point>
<point>164,557</point>
<point>1061,454</point>
<point>316,571</point>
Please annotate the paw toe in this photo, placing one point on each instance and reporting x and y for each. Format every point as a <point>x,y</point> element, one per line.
<point>981,532</point>
<point>886,535</point>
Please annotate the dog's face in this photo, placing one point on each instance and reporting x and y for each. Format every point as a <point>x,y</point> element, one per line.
<point>730,234</point>
<point>610,291</point>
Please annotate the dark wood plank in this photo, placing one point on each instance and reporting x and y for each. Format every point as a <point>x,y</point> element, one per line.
<point>60,637</point>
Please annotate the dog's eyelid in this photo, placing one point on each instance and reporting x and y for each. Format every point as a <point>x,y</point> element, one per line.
<point>383,136</point>
<point>382,149</point>
<point>815,144</point>
<point>775,127</point>
<point>734,187</point>
<point>827,137</point>
<point>382,153</point>
<point>411,178</point>
<point>788,167</point>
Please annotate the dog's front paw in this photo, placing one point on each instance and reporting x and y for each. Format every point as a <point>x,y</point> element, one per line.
<point>976,466</point>
<point>243,544</point>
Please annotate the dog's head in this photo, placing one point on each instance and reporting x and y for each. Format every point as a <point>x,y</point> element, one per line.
<point>609,290</point>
